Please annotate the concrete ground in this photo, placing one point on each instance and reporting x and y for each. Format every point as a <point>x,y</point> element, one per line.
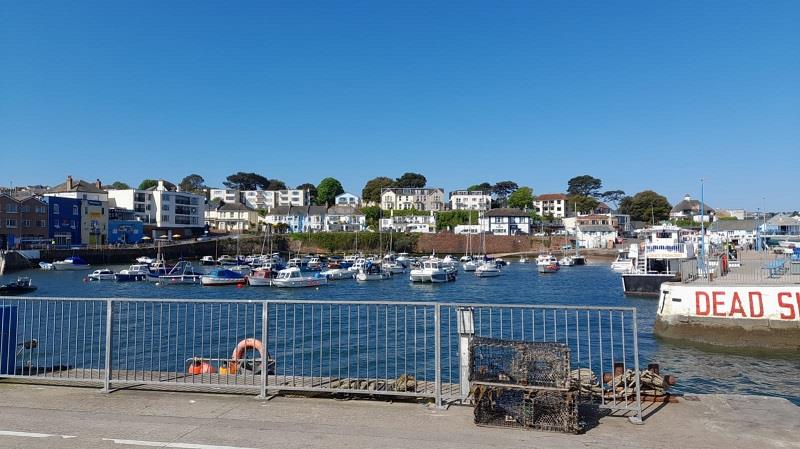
<point>35,416</point>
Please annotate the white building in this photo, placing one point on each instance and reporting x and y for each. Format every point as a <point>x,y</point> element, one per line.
<point>691,209</point>
<point>412,198</point>
<point>163,208</point>
<point>470,200</point>
<point>347,199</point>
<point>506,221</point>
<point>297,218</point>
<point>554,204</point>
<point>345,219</point>
<point>409,223</point>
<point>739,232</point>
<point>225,195</point>
<point>262,199</point>
<point>595,236</point>
<point>232,217</point>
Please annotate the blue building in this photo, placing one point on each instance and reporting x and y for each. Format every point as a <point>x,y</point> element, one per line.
<point>125,231</point>
<point>65,220</point>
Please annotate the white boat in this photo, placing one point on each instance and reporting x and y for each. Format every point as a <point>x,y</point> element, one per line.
<point>46,266</point>
<point>337,273</point>
<point>145,260</point>
<point>73,263</point>
<point>137,272</point>
<point>226,260</point>
<point>314,263</point>
<point>404,260</point>
<point>393,267</point>
<point>292,277</point>
<point>524,259</point>
<point>566,261</point>
<point>103,274</point>
<point>222,276</point>
<point>208,260</point>
<point>622,264</point>
<point>260,277</point>
<point>372,272</point>
<point>470,265</point>
<point>433,271</point>
<point>487,269</point>
<point>243,269</point>
<point>449,261</point>
<point>547,263</point>
<point>182,273</point>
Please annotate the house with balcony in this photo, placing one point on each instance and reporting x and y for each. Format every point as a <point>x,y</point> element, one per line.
<point>470,200</point>
<point>781,224</point>
<point>423,199</point>
<point>345,219</point>
<point>232,217</point>
<point>738,232</point>
<point>506,221</point>
<point>347,199</point>
<point>163,209</point>
<point>23,222</point>
<point>425,224</point>
<point>552,204</point>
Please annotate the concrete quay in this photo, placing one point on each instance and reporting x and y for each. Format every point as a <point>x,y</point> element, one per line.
<point>35,416</point>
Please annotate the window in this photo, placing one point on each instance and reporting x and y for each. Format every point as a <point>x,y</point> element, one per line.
<point>75,210</point>
<point>11,223</point>
<point>165,197</point>
<point>26,223</point>
<point>11,208</point>
<point>165,218</point>
<point>55,209</point>
<point>41,224</point>
<point>165,207</point>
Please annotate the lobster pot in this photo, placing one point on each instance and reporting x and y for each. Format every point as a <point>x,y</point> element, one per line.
<point>536,364</point>
<point>548,410</point>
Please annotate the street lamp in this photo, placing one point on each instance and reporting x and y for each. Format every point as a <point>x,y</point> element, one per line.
<point>702,225</point>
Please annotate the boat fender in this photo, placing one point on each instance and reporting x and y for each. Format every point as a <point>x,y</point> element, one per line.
<point>200,367</point>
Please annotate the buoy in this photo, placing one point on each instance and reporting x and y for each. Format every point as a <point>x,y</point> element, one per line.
<point>241,349</point>
<point>239,285</point>
<point>200,367</point>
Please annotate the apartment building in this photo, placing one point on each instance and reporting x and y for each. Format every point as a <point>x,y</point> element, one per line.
<point>470,200</point>
<point>428,199</point>
<point>163,209</point>
<point>23,222</point>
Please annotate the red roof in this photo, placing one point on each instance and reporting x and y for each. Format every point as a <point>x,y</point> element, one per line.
<point>551,196</point>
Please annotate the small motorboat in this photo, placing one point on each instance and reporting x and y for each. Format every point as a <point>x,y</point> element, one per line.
<point>566,261</point>
<point>103,274</point>
<point>207,260</point>
<point>579,260</point>
<point>182,273</point>
<point>137,272</point>
<point>293,277</point>
<point>22,286</point>
<point>500,262</point>
<point>226,260</point>
<point>488,269</point>
<point>338,270</point>
<point>72,263</point>
<point>433,271</point>
<point>524,259</point>
<point>222,276</point>
<point>47,266</point>
<point>547,263</point>
<point>372,272</point>
<point>261,277</point>
<point>145,260</point>
<point>470,265</point>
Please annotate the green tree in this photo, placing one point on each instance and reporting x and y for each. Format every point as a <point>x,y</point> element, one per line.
<point>581,203</point>
<point>275,184</point>
<point>147,183</point>
<point>502,190</point>
<point>372,215</point>
<point>372,190</point>
<point>246,181</point>
<point>119,185</point>
<point>193,183</point>
<point>613,196</point>
<point>646,206</point>
<point>584,186</point>
<point>413,180</point>
<point>522,198</point>
<point>483,187</point>
<point>327,190</point>
<point>451,219</point>
<point>311,189</point>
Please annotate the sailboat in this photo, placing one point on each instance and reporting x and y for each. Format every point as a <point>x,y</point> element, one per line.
<point>469,262</point>
<point>373,270</point>
<point>486,268</point>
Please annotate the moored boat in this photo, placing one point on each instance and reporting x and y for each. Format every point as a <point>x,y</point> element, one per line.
<point>547,263</point>
<point>73,263</point>
<point>21,286</point>
<point>207,260</point>
<point>103,274</point>
<point>260,277</point>
<point>487,269</point>
<point>293,277</point>
<point>136,272</point>
<point>566,261</point>
<point>222,276</point>
<point>433,271</point>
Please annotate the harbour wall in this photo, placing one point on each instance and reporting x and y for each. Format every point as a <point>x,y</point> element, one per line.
<point>741,316</point>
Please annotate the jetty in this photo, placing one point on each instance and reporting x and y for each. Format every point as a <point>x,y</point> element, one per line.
<point>35,416</point>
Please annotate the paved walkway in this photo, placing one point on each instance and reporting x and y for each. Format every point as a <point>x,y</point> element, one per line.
<point>33,416</point>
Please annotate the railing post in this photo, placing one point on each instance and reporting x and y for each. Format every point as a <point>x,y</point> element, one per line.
<point>264,355</point>
<point>109,333</point>
<point>636,419</point>
<point>437,321</point>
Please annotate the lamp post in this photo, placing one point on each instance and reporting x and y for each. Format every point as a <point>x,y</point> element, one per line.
<point>702,226</point>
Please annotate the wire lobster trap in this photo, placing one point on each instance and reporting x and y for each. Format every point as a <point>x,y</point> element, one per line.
<point>534,364</point>
<point>529,408</point>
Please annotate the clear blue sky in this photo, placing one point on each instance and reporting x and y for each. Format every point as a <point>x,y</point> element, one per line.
<point>641,94</point>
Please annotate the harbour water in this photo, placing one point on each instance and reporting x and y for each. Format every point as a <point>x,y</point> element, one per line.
<point>699,369</point>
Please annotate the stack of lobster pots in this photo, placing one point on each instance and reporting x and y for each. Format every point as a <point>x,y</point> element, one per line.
<point>522,384</point>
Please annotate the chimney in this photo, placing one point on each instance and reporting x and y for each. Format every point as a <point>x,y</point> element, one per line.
<point>98,184</point>
<point>161,185</point>
<point>70,185</point>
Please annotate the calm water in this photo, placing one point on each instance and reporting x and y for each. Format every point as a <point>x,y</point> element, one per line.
<point>699,370</point>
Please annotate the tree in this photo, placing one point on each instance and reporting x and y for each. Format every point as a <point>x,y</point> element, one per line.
<point>372,215</point>
<point>310,188</point>
<point>584,185</point>
<point>246,181</point>
<point>522,198</point>
<point>372,190</point>
<point>483,187</point>
<point>147,183</point>
<point>327,190</point>
<point>193,183</point>
<point>414,180</point>
<point>613,196</point>
<point>581,203</point>
<point>119,185</point>
<point>646,206</point>
<point>275,184</point>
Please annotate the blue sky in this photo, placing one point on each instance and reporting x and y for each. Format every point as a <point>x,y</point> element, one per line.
<point>644,95</point>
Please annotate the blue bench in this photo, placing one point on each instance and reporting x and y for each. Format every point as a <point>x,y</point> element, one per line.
<point>776,268</point>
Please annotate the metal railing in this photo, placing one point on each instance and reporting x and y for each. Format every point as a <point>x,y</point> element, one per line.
<point>416,349</point>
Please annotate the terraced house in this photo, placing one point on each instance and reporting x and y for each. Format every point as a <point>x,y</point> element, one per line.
<point>23,222</point>
<point>428,199</point>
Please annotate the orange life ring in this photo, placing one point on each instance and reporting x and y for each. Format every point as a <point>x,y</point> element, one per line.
<point>241,349</point>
